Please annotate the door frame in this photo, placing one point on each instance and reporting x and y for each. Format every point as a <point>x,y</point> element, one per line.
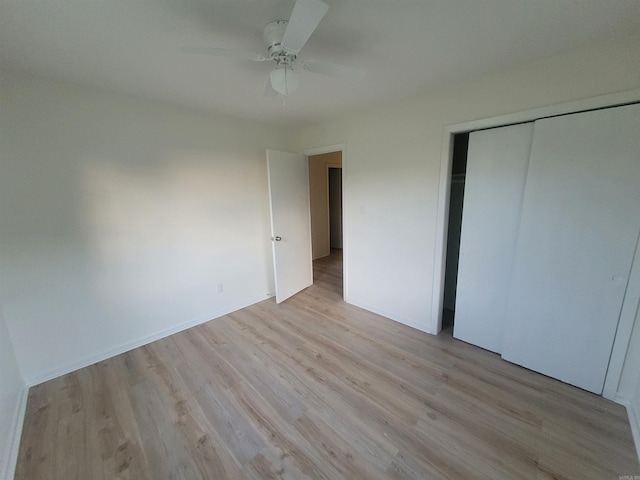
<point>627,318</point>
<point>339,147</point>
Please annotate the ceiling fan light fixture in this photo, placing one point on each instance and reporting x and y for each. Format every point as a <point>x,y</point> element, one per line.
<point>284,81</point>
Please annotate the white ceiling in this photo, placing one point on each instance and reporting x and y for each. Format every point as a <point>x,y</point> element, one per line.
<point>406,46</point>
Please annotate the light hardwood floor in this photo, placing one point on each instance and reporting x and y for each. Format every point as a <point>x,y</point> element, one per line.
<point>316,388</point>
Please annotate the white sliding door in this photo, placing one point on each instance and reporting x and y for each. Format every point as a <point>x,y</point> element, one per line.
<point>579,226</point>
<point>496,172</point>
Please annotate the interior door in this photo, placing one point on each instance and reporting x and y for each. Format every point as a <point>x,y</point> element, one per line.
<point>497,163</point>
<point>290,222</point>
<point>578,231</point>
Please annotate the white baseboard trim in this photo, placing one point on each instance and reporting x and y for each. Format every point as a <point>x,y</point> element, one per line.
<point>634,421</point>
<point>390,316</point>
<point>112,352</point>
<point>8,464</point>
<point>620,400</point>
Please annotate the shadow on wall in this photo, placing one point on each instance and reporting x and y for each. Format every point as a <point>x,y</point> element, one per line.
<point>122,219</point>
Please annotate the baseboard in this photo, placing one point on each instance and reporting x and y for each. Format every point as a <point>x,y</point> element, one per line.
<point>112,352</point>
<point>8,464</point>
<point>388,315</point>
<point>634,421</point>
<point>620,400</point>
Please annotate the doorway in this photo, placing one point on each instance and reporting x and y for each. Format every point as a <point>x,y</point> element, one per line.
<point>454,228</point>
<point>325,195</point>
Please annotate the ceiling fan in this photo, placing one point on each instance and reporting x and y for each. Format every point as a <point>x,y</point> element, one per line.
<point>285,39</point>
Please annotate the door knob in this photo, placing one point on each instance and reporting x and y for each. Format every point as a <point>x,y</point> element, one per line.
<point>276,239</point>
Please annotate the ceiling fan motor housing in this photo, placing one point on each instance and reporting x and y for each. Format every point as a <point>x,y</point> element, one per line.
<point>273,34</point>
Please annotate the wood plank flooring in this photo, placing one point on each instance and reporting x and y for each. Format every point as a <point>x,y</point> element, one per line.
<point>316,388</point>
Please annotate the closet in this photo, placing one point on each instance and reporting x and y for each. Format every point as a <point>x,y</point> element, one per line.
<point>550,223</point>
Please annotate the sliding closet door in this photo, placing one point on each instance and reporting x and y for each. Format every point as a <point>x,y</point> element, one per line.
<point>580,223</point>
<point>496,170</point>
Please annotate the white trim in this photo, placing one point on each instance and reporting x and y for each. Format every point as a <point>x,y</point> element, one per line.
<point>628,314</point>
<point>437,292</point>
<point>310,264</point>
<point>634,421</point>
<point>11,460</point>
<point>620,400</point>
<point>442,216</point>
<point>385,314</point>
<point>593,103</point>
<point>112,352</point>
<point>340,147</point>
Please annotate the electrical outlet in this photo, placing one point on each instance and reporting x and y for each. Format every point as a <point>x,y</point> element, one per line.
<point>220,288</point>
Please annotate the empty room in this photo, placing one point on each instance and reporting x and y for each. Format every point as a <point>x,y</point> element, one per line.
<point>319,239</point>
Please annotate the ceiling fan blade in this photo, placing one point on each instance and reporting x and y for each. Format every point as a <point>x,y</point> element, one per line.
<point>269,90</point>
<point>304,19</point>
<point>224,52</point>
<point>334,70</point>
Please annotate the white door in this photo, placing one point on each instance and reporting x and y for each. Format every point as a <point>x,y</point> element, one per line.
<point>497,163</point>
<point>578,231</point>
<point>290,222</point>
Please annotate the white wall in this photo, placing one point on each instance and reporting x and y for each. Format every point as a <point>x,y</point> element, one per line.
<point>12,397</point>
<point>393,166</point>
<point>120,219</point>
